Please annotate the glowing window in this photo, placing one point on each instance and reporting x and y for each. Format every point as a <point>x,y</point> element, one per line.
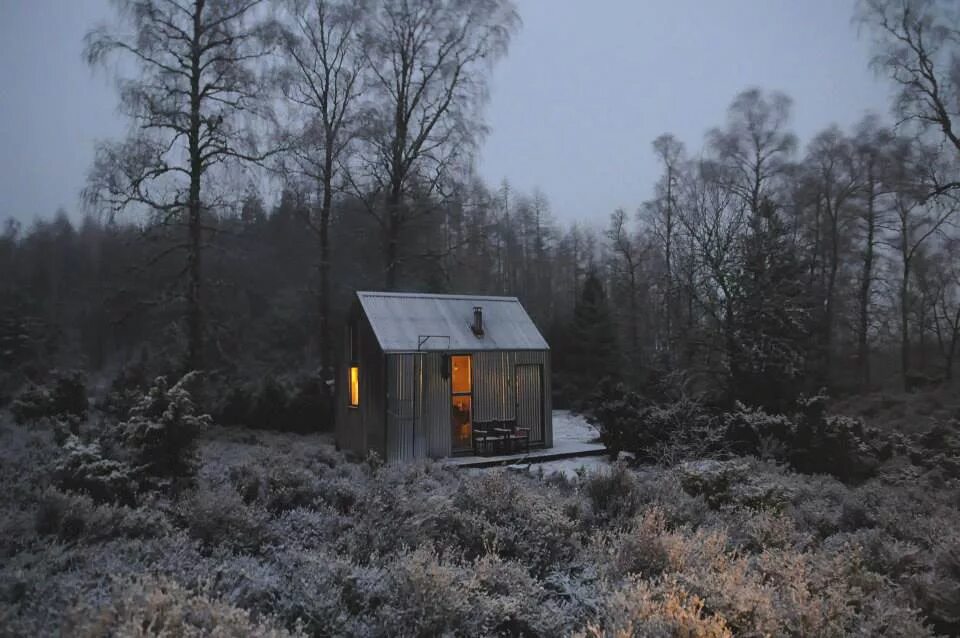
<point>354,386</point>
<point>460,374</point>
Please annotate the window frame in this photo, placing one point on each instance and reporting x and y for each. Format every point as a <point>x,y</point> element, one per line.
<point>454,395</point>
<point>353,386</point>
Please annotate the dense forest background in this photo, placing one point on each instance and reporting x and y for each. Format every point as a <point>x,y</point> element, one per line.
<point>759,268</point>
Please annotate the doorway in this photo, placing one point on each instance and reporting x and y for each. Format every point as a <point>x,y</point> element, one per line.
<point>529,388</point>
<point>461,403</point>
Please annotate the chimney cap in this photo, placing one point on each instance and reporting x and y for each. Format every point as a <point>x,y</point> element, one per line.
<point>477,325</point>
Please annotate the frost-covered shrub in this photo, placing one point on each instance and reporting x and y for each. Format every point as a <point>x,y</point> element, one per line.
<point>938,589</point>
<point>811,441</point>
<point>775,592</point>
<point>651,432</point>
<point>753,431</point>
<point>642,609</point>
<point>162,430</point>
<point>83,468</point>
<point>282,527</point>
<point>426,596</point>
<point>289,488</point>
<point>424,593</point>
<point>64,394</point>
<point>72,517</point>
<point>712,479</point>
<point>762,529</point>
<point>530,526</point>
<point>613,494</point>
<point>218,516</point>
<point>301,404</point>
<point>647,547</point>
<point>161,607</point>
<point>247,481</point>
<point>126,389</point>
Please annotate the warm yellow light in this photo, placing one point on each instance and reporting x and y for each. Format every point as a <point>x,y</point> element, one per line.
<point>461,382</point>
<point>354,386</point>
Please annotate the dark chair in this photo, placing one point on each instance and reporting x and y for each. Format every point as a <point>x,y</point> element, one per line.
<point>519,437</point>
<point>486,438</point>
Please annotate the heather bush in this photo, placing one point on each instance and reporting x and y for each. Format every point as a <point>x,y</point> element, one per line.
<point>938,589</point>
<point>642,609</point>
<point>288,488</point>
<point>64,394</point>
<point>217,516</point>
<point>76,517</point>
<point>532,527</point>
<point>281,530</point>
<point>613,495</point>
<point>160,607</point>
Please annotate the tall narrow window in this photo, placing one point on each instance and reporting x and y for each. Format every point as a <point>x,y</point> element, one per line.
<point>461,402</point>
<point>354,386</point>
<point>460,374</point>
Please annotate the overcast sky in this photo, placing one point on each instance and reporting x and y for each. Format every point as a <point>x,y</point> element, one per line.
<point>585,89</point>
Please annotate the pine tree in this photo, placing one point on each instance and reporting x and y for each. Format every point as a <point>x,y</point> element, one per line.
<point>773,315</point>
<point>593,349</point>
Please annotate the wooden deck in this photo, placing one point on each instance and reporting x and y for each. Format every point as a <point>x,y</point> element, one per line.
<point>572,438</point>
<point>563,450</point>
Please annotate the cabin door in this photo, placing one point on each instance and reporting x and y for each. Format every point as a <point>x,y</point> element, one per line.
<point>529,387</point>
<point>461,403</point>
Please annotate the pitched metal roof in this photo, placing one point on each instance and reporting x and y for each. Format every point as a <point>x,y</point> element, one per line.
<point>407,322</point>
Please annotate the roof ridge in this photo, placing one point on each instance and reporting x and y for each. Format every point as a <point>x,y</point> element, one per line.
<point>433,295</point>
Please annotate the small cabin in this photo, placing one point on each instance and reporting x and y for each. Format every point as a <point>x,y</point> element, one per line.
<point>419,370</point>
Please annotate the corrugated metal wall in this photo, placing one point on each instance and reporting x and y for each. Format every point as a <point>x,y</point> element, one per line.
<point>435,409</point>
<point>493,392</point>
<point>540,358</point>
<point>361,429</point>
<point>529,389</point>
<point>372,391</point>
<point>349,427</point>
<point>418,399</point>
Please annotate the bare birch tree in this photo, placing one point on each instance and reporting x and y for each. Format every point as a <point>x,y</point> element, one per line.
<point>190,83</point>
<point>917,44</point>
<point>428,62</point>
<point>323,79</point>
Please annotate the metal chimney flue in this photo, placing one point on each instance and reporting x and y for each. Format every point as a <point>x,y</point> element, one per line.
<point>477,326</point>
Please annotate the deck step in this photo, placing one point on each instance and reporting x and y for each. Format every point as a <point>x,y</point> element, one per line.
<point>536,456</point>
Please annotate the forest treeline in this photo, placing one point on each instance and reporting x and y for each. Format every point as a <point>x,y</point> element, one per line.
<point>759,268</point>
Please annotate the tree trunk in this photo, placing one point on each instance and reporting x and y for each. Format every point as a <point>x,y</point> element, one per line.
<point>634,331</point>
<point>866,280</point>
<point>905,325</point>
<point>392,240</point>
<point>831,286</point>
<point>194,271</point>
<point>668,254</point>
<point>325,206</point>
<point>951,352</point>
<point>730,341</point>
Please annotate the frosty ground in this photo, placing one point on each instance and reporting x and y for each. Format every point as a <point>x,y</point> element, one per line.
<point>280,534</point>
